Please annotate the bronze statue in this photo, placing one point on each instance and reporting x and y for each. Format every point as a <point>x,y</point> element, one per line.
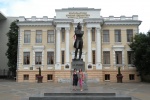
<point>78,44</point>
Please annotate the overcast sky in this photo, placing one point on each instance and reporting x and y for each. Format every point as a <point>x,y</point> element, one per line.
<point>108,8</point>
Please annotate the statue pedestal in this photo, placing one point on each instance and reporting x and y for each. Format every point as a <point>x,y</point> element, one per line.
<point>76,63</point>
<point>79,64</point>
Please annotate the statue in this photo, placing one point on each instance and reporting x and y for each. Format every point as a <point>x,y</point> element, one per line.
<point>78,44</point>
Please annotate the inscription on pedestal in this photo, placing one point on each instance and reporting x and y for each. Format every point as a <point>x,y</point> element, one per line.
<point>78,64</point>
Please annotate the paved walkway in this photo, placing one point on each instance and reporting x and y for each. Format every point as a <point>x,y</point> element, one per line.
<point>10,90</point>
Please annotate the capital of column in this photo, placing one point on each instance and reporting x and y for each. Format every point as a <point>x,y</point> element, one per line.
<point>89,28</point>
<point>58,28</point>
<point>98,28</point>
<point>67,28</point>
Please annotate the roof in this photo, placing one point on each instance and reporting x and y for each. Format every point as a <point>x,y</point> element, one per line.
<point>2,17</point>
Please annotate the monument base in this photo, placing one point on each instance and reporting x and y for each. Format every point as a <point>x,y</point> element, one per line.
<point>78,64</point>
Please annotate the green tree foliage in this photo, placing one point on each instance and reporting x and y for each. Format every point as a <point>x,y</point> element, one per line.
<point>141,49</point>
<point>12,44</point>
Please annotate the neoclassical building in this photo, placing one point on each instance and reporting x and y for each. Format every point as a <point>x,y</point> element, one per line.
<point>48,43</point>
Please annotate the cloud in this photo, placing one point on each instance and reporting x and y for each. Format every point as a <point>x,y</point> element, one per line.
<point>42,8</point>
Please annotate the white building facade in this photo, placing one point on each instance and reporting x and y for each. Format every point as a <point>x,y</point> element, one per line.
<point>48,43</point>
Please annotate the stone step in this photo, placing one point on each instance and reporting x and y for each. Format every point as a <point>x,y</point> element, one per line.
<point>79,98</point>
<point>79,94</point>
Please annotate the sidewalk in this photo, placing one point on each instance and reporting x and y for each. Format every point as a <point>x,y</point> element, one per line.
<point>10,90</point>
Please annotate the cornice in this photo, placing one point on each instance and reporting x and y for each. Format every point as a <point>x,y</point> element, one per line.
<point>36,23</point>
<point>78,8</point>
<point>123,22</point>
<point>93,20</point>
<point>63,21</point>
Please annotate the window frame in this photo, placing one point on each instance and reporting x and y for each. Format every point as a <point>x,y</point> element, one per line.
<point>52,53</point>
<point>117,35</point>
<point>106,56</point>
<point>39,36</point>
<point>39,58</point>
<point>106,36</point>
<point>27,36</point>
<point>50,36</point>
<point>129,35</point>
<point>25,55</point>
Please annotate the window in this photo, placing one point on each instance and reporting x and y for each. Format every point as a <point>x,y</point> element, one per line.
<point>129,35</point>
<point>27,35</point>
<point>63,34</point>
<point>50,36</point>
<point>26,77</point>
<point>106,36</point>
<point>38,58</point>
<point>106,57</point>
<point>93,55</point>
<point>38,36</point>
<point>93,34</point>
<point>118,57</point>
<point>117,35</point>
<point>130,57</point>
<point>26,60</point>
<point>107,76</point>
<point>131,77</point>
<point>50,58</point>
<point>49,77</point>
<point>62,57</point>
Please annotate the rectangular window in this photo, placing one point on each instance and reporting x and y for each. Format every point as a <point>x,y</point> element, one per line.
<point>27,35</point>
<point>38,58</point>
<point>49,77</point>
<point>117,35</point>
<point>129,35</point>
<point>93,34</point>
<point>62,57</point>
<point>63,35</point>
<point>26,77</point>
<point>93,56</point>
<point>26,58</point>
<point>131,77</point>
<point>130,57</point>
<point>107,76</point>
<point>106,57</point>
<point>105,35</point>
<point>38,36</point>
<point>50,58</point>
<point>50,36</point>
<point>118,57</point>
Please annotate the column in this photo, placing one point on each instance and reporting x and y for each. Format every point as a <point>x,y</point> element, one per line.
<point>58,66</point>
<point>89,45</point>
<point>98,48</point>
<point>67,46</point>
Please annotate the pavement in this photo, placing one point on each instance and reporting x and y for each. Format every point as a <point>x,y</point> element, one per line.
<point>11,90</point>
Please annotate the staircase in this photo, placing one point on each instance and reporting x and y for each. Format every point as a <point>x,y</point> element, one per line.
<point>80,96</point>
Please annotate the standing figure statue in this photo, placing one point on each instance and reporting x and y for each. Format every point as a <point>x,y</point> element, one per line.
<point>78,44</point>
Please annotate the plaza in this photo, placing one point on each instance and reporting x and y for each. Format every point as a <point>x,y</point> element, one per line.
<point>11,90</point>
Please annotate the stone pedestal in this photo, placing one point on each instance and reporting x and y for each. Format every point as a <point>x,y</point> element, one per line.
<point>76,63</point>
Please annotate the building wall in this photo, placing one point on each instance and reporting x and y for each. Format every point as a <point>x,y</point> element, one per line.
<point>4,28</point>
<point>59,72</point>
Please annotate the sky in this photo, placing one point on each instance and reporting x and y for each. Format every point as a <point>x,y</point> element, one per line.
<point>116,8</point>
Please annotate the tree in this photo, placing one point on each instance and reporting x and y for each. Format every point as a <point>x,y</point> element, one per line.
<point>141,49</point>
<point>12,44</point>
